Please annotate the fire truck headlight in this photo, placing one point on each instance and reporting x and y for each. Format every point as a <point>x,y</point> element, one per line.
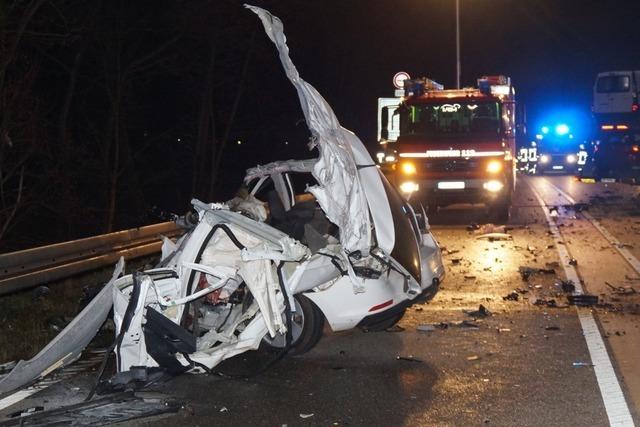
<point>408,168</point>
<point>409,187</point>
<point>494,166</point>
<point>571,158</point>
<point>493,186</point>
<point>544,158</point>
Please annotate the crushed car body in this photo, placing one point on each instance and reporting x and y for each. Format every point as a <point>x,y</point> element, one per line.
<point>309,240</point>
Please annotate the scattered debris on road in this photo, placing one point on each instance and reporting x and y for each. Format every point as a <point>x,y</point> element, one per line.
<point>409,359</point>
<point>513,296</point>
<point>425,328</point>
<point>527,272</point>
<point>479,313</point>
<point>621,290</point>
<point>492,237</point>
<point>584,300</point>
<point>567,286</point>
<point>579,364</point>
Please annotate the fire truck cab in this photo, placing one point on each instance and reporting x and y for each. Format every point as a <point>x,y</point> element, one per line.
<point>453,146</point>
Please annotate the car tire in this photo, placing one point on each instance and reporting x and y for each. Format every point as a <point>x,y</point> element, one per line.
<point>385,323</point>
<point>307,326</point>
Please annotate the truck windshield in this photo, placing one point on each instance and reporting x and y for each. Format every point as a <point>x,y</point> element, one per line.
<point>611,84</point>
<point>451,119</point>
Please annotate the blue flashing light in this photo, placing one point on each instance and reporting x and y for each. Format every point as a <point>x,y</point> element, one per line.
<point>545,129</point>
<point>562,129</point>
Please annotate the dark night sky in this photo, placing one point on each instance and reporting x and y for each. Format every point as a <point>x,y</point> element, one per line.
<point>552,49</point>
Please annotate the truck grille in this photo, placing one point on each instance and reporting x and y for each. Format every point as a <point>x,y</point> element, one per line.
<point>442,165</point>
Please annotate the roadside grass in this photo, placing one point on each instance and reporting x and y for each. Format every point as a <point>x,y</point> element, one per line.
<point>29,320</point>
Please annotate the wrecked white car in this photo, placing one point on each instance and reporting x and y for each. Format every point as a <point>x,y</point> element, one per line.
<point>324,239</point>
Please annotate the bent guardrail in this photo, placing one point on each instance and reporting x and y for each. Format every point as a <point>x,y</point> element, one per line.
<point>32,267</point>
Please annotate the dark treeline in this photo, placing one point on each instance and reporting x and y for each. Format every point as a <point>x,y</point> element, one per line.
<point>111,108</point>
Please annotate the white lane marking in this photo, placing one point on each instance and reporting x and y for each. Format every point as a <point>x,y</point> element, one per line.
<point>43,383</point>
<point>22,394</point>
<point>628,256</point>
<point>610,390</point>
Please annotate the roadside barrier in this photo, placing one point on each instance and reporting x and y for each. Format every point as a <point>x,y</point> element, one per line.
<point>32,267</point>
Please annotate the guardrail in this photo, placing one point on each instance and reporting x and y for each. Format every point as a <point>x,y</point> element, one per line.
<point>32,267</point>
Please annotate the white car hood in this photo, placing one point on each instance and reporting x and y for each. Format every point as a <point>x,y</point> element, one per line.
<point>350,189</point>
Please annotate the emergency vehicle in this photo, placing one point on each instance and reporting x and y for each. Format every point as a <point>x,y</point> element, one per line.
<point>615,154</point>
<point>441,147</point>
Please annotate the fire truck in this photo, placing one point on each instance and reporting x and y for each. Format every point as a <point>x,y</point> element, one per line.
<point>441,147</point>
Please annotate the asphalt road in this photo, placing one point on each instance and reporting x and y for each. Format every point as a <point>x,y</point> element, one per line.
<point>512,368</point>
<point>516,368</point>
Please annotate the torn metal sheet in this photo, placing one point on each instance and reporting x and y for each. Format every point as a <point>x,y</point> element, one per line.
<point>68,345</point>
<point>348,179</point>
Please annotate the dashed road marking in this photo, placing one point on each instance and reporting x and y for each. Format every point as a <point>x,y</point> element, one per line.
<point>610,390</point>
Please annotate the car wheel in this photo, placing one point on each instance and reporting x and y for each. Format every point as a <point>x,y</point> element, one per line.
<point>385,323</point>
<point>307,324</point>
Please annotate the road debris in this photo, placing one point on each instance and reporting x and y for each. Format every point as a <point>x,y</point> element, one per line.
<point>573,262</point>
<point>409,359</point>
<point>305,416</point>
<point>224,409</point>
<point>526,272</point>
<point>547,302</point>
<point>584,300</point>
<point>481,312</point>
<point>579,364</point>
<point>474,357</point>
<point>513,296</point>
<point>492,237</point>
<point>395,328</point>
<point>552,328</point>
<point>567,286</point>
<point>621,290</point>
<point>425,328</point>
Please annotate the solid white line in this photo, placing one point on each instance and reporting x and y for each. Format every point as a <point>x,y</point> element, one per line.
<point>22,394</point>
<point>610,390</point>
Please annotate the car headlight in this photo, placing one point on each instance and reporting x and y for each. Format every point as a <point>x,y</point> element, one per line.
<point>493,186</point>
<point>408,168</point>
<point>571,158</point>
<point>494,166</point>
<point>544,159</point>
<point>409,187</point>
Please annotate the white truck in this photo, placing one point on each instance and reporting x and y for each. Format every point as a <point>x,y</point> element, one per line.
<point>616,92</point>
